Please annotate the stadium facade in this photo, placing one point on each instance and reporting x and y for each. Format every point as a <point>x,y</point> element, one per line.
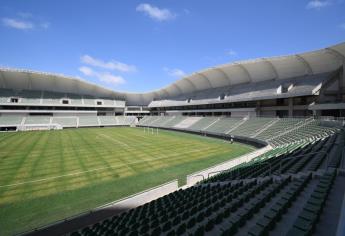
<point>304,84</point>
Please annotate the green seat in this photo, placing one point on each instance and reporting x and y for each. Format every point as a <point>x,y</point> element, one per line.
<point>200,231</point>
<point>321,189</point>
<point>315,201</point>
<point>270,214</point>
<point>311,208</point>
<point>277,208</point>
<point>303,225</point>
<point>307,215</point>
<point>235,220</point>
<point>181,229</point>
<point>209,225</point>
<point>296,232</point>
<point>283,202</point>
<point>257,230</point>
<point>265,223</point>
<point>318,195</point>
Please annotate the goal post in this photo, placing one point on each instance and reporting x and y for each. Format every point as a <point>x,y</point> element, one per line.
<point>150,130</point>
<point>32,127</point>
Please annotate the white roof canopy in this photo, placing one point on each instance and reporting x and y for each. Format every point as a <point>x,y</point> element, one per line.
<point>276,68</point>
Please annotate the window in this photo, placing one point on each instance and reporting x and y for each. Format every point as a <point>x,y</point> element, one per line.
<point>65,101</point>
<point>14,100</point>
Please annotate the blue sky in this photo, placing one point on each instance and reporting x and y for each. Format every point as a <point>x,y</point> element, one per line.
<point>140,46</point>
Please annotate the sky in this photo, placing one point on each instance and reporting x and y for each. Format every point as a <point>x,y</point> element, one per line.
<point>140,46</point>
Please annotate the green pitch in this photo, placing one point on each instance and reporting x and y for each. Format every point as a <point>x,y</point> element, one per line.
<point>49,175</point>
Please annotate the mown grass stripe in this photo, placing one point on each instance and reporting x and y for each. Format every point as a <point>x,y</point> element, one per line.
<point>54,174</point>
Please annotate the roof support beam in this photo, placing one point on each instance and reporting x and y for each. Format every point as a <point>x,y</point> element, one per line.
<point>244,69</point>
<point>223,73</point>
<point>76,85</point>
<point>205,77</point>
<point>95,90</point>
<point>178,88</point>
<point>305,64</point>
<point>155,95</point>
<point>270,64</point>
<point>166,92</point>
<point>336,54</point>
<point>29,81</point>
<point>3,80</point>
<point>191,83</point>
<point>55,84</point>
<point>142,99</point>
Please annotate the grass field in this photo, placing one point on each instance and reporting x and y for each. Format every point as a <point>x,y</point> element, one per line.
<point>49,175</point>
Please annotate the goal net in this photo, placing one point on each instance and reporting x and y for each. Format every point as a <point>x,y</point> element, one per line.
<point>40,127</point>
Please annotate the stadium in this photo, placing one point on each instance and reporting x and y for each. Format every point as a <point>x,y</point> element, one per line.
<point>250,147</point>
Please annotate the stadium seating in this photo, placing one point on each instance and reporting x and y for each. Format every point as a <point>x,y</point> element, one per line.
<point>246,92</point>
<point>10,120</point>
<point>65,121</point>
<point>253,207</point>
<point>311,130</point>
<point>274,131</point>
<point>285,191</point>
<point>222,125</point>
<point>281,125</point>
<point>107,120</point>
<point>252,126</point>
<point>37,120</point>
<point>172,122</point>
<point>299,158</point>
<point>88,121</point>
<point>203,123</point>
<point>125,120</point>
<point>34,97</point>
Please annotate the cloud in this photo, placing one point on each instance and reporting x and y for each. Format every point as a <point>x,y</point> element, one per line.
<point>111,65</point>
<point>175,72</point>
<point>17,24</point>
<point>159,14</point>
<point>102,76</point>
<point>231,53</point>
<point>317,4</point>
<point>86,71</point>
<point>111,79</point>
<point>25,21</point>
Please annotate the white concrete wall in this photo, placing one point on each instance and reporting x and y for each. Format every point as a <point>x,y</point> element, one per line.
<point>143,197</point>
<point>204,174</point>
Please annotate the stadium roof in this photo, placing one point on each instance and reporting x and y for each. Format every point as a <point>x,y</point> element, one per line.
<point>273,68</point>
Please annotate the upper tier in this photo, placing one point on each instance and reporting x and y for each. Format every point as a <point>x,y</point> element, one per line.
<point>298,66</point>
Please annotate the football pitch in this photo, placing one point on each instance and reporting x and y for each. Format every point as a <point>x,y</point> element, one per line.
<point>49,175</point>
